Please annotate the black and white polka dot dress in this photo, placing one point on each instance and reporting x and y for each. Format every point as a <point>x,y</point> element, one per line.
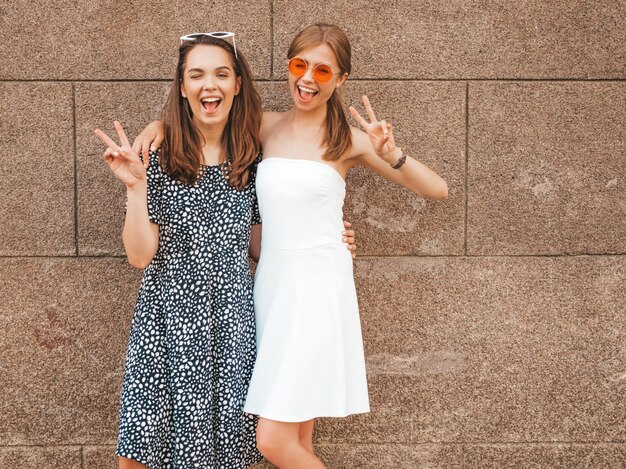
<point>192,345</point>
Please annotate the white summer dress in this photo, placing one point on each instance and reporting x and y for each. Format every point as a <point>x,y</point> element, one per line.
<point>310,360</point>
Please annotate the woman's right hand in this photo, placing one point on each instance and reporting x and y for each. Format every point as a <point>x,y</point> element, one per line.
<point>122,160</point>
<point>149,140</point>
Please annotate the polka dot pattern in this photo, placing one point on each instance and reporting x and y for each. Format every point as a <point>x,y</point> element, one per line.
<point>192,344</point>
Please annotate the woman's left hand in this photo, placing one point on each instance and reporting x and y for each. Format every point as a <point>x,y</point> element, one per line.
<point>379,132</point>
<point>348,238</point>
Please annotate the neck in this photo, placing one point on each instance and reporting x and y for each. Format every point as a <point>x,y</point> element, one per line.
<point>212,142</point>
<point>314,117</point>
<point>212,136</point>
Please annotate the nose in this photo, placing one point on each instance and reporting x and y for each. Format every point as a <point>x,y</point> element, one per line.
<point>308,76</point>
<point>208,84</point>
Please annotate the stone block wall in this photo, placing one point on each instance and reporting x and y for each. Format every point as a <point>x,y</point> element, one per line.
<point>494,322</point>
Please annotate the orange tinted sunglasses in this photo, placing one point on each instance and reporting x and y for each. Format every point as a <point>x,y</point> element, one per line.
<point>321,72</point>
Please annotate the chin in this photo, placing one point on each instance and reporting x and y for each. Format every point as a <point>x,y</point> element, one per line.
<point>316,103</point>
<point>211,121</point>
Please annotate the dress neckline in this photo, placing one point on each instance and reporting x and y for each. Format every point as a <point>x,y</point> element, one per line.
<point>305,160</point>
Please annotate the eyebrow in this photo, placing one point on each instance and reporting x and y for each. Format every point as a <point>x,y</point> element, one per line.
<point>192,70</point>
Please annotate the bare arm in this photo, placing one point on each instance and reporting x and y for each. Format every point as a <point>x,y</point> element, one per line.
<point>140,235</point>
<point>152,136</point>
<point>376,150</point>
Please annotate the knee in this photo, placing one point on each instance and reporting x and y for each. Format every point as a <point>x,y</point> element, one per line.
<point>267,442</point>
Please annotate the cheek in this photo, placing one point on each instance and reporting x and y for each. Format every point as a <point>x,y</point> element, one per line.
<point>327,90</point>
<point>292,81</point>
<point>190,89</point>
<point>229,89</point>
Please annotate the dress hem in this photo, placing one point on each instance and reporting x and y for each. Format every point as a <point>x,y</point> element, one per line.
<point>308,417</point>
<point>257,460</point>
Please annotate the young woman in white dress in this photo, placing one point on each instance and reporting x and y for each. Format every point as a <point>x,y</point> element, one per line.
<point>310,360</point>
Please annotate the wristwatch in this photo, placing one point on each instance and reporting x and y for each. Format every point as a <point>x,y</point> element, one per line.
<point>398,164</point>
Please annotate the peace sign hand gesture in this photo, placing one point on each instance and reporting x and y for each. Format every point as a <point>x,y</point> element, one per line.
<point>122,160</point>
<point>379,132</point>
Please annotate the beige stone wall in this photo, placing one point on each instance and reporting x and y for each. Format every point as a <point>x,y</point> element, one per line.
<point>494,321</point>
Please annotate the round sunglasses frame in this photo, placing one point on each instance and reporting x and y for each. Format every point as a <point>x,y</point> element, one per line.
<point>316,76</point>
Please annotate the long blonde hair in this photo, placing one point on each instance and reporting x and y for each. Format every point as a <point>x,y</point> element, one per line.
<point>337,136</point>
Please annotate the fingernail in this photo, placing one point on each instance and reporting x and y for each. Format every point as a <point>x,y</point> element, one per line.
<point>344,239</point>
<point>152,148</point>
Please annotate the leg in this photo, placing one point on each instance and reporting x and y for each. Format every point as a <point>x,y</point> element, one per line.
<point>126,463</point>
<point>306,434</point>
<point>280,443</point>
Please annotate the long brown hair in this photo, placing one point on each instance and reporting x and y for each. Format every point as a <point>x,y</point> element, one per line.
<point>337,134</point>
<point>182,146</point>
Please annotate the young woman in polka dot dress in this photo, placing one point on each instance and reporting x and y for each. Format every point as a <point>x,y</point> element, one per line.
<point>188,223</point>
<point>188,219</point>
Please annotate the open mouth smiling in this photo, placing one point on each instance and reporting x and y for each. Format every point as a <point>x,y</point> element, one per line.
<point>306,94</point>
<point>211,104</point>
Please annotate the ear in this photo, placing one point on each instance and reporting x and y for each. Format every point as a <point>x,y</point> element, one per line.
<point>238,86</point>
<point>341,80</point>
<point>182,90</point>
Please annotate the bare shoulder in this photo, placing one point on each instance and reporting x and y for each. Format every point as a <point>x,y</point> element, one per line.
<point>269,120</point>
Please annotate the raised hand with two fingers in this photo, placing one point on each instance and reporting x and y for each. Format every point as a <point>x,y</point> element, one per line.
<point>379,132</point>
<point>123,161</point>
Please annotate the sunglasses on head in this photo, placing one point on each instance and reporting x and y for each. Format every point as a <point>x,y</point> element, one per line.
<point>215,34</point>
<point>321,72</point>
